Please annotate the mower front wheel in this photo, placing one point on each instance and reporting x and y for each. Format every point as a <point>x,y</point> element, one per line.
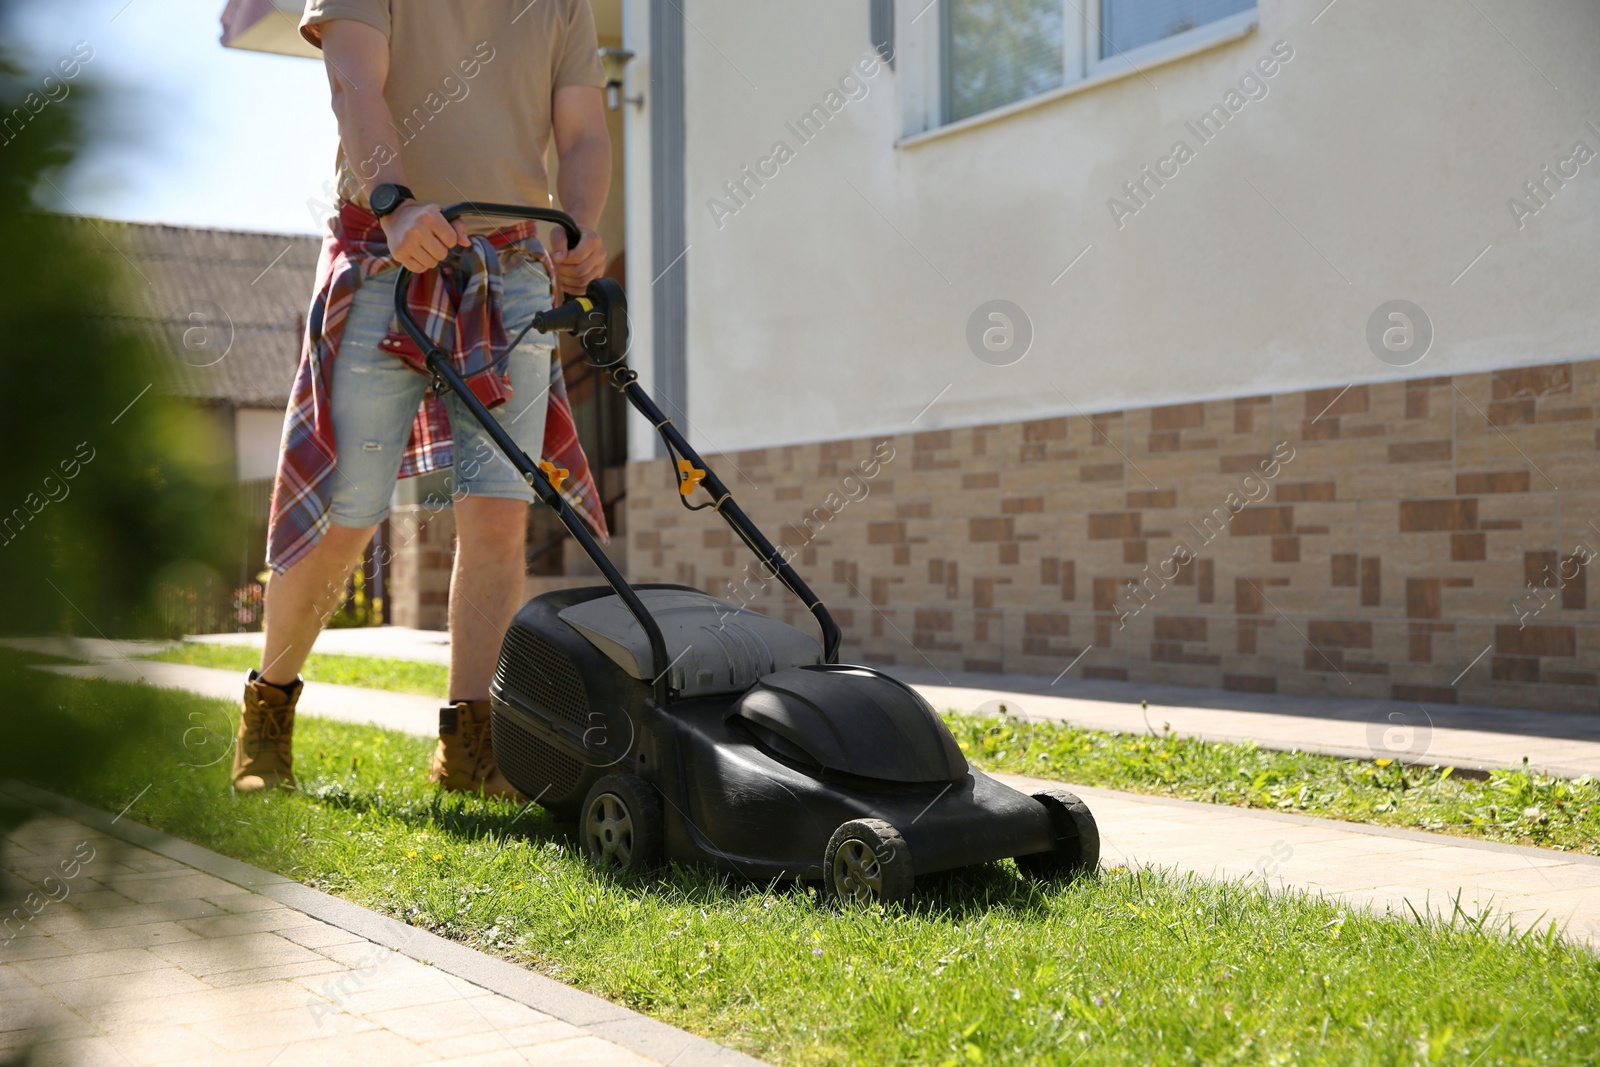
<point>621,824</point>
<point>1077,836</point>
<point>868,862</point>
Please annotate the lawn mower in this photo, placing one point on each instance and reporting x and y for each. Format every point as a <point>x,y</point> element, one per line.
<point>674,726</point>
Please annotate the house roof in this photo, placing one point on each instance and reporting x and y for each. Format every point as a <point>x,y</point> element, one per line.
<point>228,306</point>
<point>266,26</point>
<point>274,26</point>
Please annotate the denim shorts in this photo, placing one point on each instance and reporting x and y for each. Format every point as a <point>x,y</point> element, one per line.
<point>376,396</point>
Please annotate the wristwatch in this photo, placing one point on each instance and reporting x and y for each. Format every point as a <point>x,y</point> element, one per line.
<point>388,197</point>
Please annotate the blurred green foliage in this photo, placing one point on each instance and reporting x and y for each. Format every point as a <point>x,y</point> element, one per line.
<point>109,489</point>
<point>101,503</point>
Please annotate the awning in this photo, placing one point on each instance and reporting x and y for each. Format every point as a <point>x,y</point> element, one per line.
<point>266,26</point>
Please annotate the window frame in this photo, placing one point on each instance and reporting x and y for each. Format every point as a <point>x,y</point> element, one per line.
<point>920,31</point>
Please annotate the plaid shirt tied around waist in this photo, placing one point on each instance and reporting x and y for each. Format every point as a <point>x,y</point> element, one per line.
<point>460,304</point>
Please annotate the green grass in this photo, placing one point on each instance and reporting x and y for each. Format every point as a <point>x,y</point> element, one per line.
<point>1510,806</point>
<point>1517,807</point>
<point>983,968</point>
<point>398,675</point>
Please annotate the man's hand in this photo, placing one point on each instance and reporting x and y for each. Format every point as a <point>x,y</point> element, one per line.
<point>578,124</point>
<point>419,236</point>
<point>576,267</point>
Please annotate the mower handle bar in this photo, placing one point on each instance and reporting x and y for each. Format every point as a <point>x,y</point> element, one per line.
<point>438,363</point>
<point>722,499</point>
<point>514,211</point>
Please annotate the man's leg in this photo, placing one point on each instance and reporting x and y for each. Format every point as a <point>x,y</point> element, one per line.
<point>485,589</point>
<point>300,600</point>
<point>491,516</point>
<point>374,399</point>
<point>492,512</point>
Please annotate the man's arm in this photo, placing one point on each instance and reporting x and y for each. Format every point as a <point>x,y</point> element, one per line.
<point>357,58</point>
<point>583,148</point>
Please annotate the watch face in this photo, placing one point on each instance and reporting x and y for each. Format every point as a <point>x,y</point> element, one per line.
<point>385,198</point>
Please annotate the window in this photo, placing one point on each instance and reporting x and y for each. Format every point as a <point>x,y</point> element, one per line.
<point>1129,24</point>
<point>996,52</point>
<point>999,51</point>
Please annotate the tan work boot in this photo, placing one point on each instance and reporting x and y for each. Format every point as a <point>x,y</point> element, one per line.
<point>263,753</point>
<point>464,761</point>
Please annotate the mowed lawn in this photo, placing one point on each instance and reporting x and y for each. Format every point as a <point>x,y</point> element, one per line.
<point>1516,807</point>
<point>983,967</point>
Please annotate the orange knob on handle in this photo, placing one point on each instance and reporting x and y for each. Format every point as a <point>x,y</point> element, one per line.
<point>556,474</point>
<point>689,477</point>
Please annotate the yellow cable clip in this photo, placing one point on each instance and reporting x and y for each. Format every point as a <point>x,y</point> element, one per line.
<point>689,477</point>
<point>556,474</point>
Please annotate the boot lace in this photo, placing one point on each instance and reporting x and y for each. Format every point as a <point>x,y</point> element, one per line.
<point>263,725</point>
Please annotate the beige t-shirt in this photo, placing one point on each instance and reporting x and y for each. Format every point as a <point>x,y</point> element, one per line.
<point>470,88</point>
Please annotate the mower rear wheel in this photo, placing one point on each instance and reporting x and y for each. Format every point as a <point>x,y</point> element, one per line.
<point>868,862</point>
<point>621,824</point>
<point>1077,848</point>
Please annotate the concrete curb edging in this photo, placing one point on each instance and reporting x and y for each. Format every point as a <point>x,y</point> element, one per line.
<point>596,1015</point>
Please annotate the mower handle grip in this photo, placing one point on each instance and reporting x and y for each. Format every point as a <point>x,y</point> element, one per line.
<point>476,207</point>
<point>515,211</point>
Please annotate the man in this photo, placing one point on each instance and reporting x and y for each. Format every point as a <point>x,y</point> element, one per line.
<point>437,103</point>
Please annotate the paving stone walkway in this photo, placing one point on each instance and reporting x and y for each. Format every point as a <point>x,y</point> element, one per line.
<point>139,949</point>
<point>1379,867</point>
<point>347,703</point>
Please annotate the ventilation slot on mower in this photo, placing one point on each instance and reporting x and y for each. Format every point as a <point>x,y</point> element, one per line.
<point>552,776</point>
<point>539,675</point>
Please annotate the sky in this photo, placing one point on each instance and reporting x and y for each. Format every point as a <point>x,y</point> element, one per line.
<point>192,133</point>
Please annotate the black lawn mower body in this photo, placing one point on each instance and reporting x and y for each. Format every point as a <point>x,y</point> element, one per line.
<point>672,725</point>
<point>755,771</point>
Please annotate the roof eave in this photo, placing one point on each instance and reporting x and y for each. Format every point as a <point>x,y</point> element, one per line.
<point>271,26</point>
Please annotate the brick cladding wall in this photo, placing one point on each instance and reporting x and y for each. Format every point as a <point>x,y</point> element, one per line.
<point>423,542</point>
<point>1395,546</point>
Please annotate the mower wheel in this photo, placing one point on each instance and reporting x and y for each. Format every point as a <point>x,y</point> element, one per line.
<point>1077,848</point>
<point>620,825</point>
<point>868,862</point>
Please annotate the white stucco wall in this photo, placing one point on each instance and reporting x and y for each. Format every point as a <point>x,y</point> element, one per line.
<point>257,433</point>
<point>1378,166</point>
